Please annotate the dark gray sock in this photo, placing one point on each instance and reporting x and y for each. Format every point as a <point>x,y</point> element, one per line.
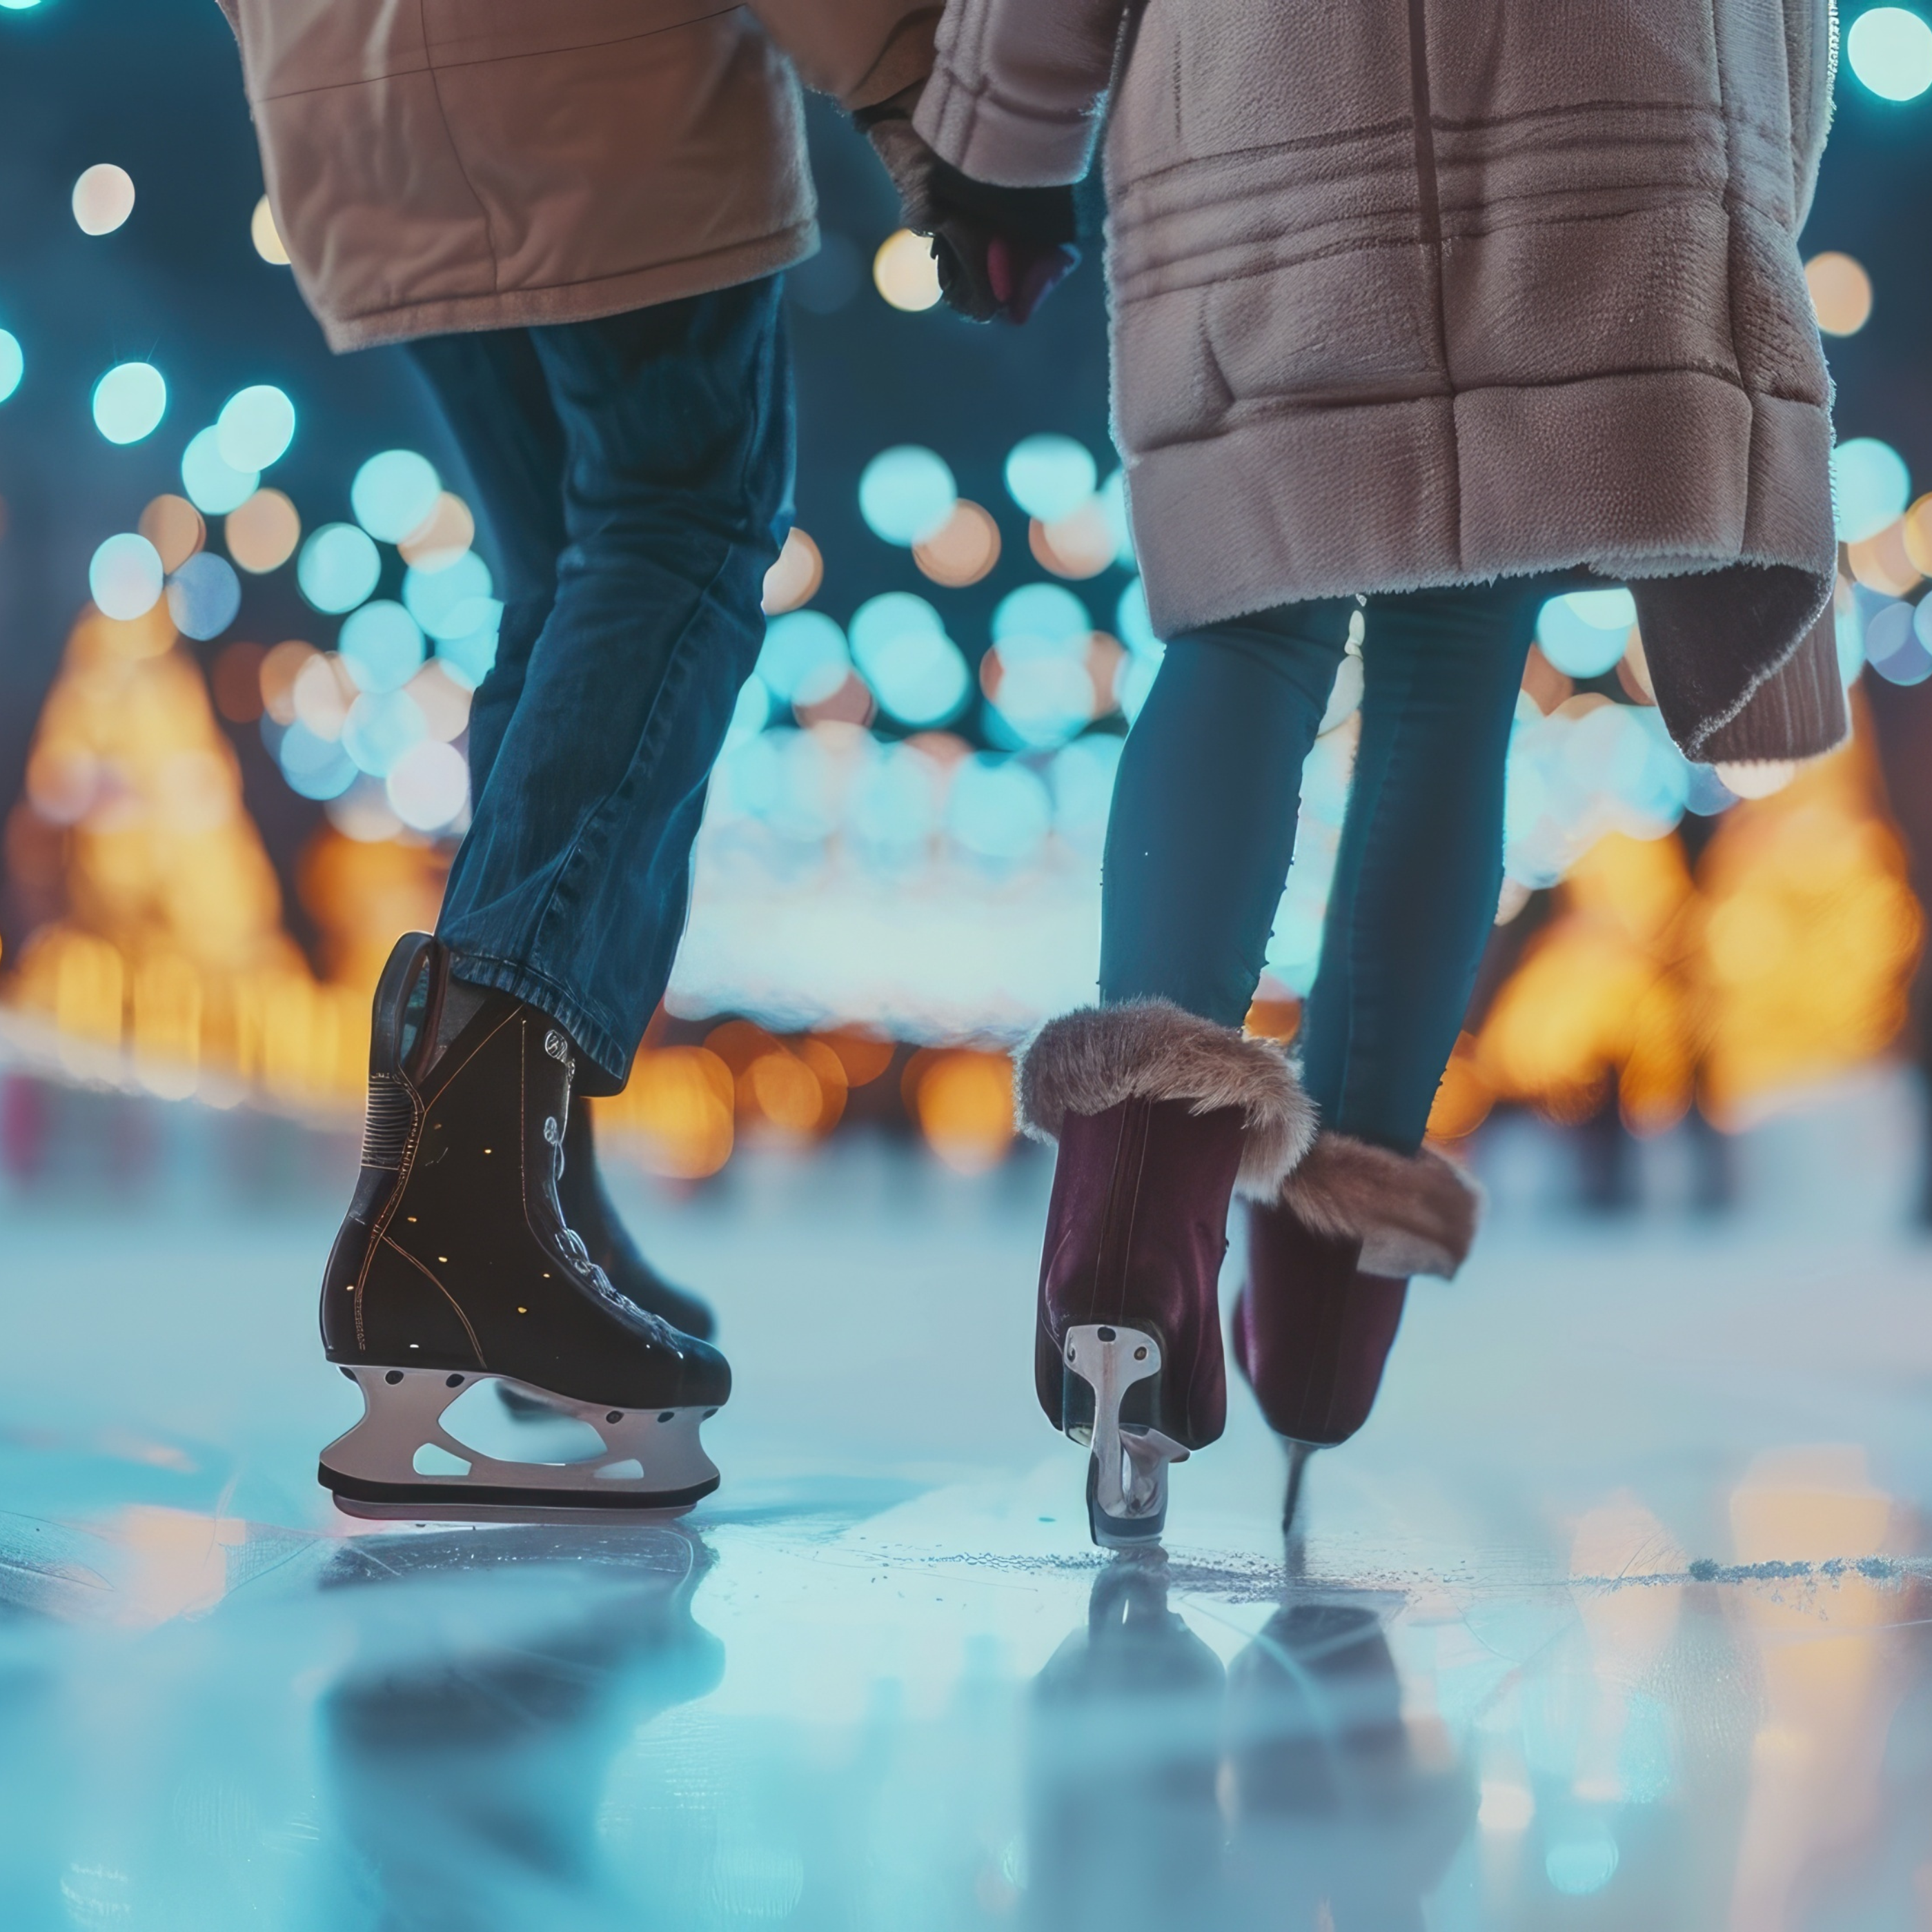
<point>461,1003</point>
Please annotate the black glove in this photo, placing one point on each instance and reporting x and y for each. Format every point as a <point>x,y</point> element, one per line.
<point>1000,251</point>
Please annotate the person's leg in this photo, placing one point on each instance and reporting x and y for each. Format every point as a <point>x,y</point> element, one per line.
<point>570,891</point>
<point>1202,827</point>
<point>490,390</point>
<point>1420,863</point>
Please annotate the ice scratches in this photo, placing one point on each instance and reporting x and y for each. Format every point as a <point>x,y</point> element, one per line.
<point>661,1549</point>
<point>48,1571</point>
<point>1238,1579</point>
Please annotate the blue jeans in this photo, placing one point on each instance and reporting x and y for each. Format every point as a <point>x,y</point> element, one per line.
<point>636,474</point>
<point>1204,819</point>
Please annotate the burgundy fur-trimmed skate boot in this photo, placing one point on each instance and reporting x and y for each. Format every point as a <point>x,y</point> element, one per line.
<point>1158,1116</point>
<point>455,1265</point>
<point>1329,1264</point>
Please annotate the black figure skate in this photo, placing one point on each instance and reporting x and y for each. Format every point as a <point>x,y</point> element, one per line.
<point>455,1265</point>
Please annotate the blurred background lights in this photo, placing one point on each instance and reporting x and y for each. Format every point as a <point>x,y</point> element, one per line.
<point>454,601</point>
<point>1870,486</point>
<point>103,198</point>
<point>338,567</point>
<point>382,645</point>
<point>1890,50</point>
<point>266,236</point>
<point>255,427</point>
<point>175,528</point>
<point>468,658</point>
<point>442,536</point>
<point>804,659</point>
<point>998,811</point>
<point>213,485</point>
<point>429,787</point>
<point>395,494</point>
<point>261,533</point>
<point>1050,476</point>
<point>1044,611</point>
<point>125,578</point>
<point>315,767</point>
<point>12,363</point>
<point>795,577</point>
<point>962,551</point>
<point>906,494</point>
<point>1583,634</point>
<point>204,596</point>
<point>1577,1867</point>
<point>1841,292</point>
<point>900,646</point>
<point>129,402</point>
<point>380,727</point>
<point>904,272</point>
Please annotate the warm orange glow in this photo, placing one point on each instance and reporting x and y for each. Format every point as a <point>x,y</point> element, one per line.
<point>1885,562</point>
<point>963,549</point>
<point>794,579</point>
<point>174,526</point>
<point>1079,545</point>
<point>678,1107</point>
<point>442,537</point>
<point>1841,292</point>
<point>965,1103</point>
<point>262,534</point>
<point>279,671</point>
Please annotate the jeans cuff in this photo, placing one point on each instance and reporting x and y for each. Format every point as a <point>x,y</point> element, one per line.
<point>595,1041</point>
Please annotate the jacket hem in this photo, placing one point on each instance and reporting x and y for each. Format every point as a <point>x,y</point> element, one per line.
<point>575,301</point>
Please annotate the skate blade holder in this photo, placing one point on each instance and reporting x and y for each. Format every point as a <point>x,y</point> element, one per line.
<point>651,1462</point>
<point>1126,1478</point>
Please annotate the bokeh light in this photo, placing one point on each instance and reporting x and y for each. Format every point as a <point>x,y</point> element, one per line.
<point>1894,646</point>
<point>276,676</point>
<point>322,692</point>
<point>204,596</point>
<point>266,237</point>
<point>794,579</point>
<point>1841,292</point>
<point>317,768</point>
<point>103,198</point>
<point>1890,50</point>
<point>395,494</point>
<point>261,533</point>
<point>129,401</point>
<point>1584,633</point>
<point>962,551</point>
<point>125,578</point>
<point>255,427</point>
<point>12,363</point>
<point>442,536</point>
<point>454,601</point>
<point>998,810</point>
<point>338,567</point>
<point>382,644</point>
<point>443,700</point>
<point>381,726</point>
<point>469,658</point>
<point>174,526</point>
<point>904,272</point>
<point>1080,544</point>
<point>429,786</point>
<point>1050,476</point>
<point>213,485</point>
<point>906,494</point>
<point>804,659</point>
<point>900,644</point>
<point>1870,485</point>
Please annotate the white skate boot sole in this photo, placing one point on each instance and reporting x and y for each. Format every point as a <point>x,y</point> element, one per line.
<point>371,1470</point>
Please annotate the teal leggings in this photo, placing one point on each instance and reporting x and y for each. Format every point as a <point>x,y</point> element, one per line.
<point>1204,820</point>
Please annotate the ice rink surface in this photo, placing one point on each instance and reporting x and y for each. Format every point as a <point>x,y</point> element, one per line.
<point>1617,1615</point>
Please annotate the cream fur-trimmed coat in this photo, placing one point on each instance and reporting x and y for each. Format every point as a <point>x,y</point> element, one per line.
<point>1414,293</point>
<point>439,165</point>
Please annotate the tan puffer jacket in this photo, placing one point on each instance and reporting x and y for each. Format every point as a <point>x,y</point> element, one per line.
<point>438,165</point>
<point>1412,293</point>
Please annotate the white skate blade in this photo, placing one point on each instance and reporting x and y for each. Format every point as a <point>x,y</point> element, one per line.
<point>371,1470</point>
<point>1126,1478</point>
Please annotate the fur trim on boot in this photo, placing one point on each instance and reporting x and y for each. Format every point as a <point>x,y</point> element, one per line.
<point>1094,1058</point>
<point>1413,1214</point>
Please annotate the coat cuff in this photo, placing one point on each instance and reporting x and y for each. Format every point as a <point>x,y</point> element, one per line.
<point>1000,141</point>
<point>906,61</point>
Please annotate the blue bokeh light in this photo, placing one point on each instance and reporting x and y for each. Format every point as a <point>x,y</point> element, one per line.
<point>915,670</point>
<point>1048,612</point>
<point>204,596</point>
<point>906,494</point>
<point>382,646</point>
<point>213,485</point>
<point>12,363</point>
<point>804,659</point>
<point>255,427</point>
<point>1890,50</point>
<point>129,401</point>
<point>381,726</point>
<point>394,494</point>
<point>125,577</point>
<point>998,810</point>
<point>338,567</point>
<point>454,601</point>
<point>315,767</point>
<point>1585,633</point>
<point>1050,476</point>
<point>1871,486</point>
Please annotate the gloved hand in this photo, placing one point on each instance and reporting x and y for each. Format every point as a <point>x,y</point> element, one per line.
<point>1000,251</point>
